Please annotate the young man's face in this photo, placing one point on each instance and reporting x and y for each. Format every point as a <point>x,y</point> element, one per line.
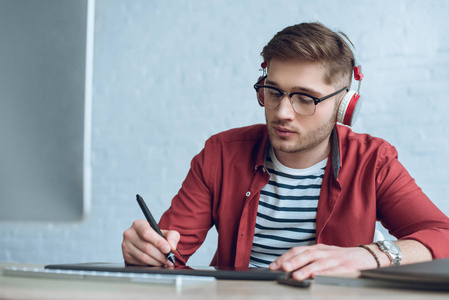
<point>290,132</point>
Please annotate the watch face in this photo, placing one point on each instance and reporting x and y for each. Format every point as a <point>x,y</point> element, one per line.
<point>390,246</point>
<point>392,250</point>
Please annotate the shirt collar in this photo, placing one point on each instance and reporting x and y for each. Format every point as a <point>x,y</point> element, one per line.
<point>264,146</point>
<point>335,151</point>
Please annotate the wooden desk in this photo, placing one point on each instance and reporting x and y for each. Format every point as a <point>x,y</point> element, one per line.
<point>38,288</point>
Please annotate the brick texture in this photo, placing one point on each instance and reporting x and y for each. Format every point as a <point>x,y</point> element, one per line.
<point>167,75</point>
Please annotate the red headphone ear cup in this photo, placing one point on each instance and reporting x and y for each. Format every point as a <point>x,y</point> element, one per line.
<point>349,108</point>
<point>259,93</point>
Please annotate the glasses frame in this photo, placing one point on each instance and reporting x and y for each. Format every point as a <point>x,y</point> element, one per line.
<point>316,100</point>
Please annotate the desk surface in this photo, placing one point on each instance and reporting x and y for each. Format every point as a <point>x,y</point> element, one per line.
<point>39,288</point>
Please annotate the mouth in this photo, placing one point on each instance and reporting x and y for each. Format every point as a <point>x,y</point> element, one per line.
<point>284,132</point>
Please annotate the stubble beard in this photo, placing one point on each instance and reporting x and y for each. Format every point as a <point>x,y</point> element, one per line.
<point>306,141</point>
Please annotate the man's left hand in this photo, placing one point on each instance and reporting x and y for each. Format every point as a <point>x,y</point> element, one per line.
<point>308,261</point>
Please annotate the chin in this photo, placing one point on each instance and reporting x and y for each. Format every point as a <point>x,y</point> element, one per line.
<point>289,149</point>
<point>286,146</point>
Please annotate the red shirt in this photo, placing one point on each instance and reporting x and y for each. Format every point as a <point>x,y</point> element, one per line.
<point>363,182</point>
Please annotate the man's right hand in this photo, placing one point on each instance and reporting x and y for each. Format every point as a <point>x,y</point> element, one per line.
<point>143,246</point>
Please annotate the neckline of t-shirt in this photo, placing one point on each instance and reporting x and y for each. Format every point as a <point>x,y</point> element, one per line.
<point>308,171</point>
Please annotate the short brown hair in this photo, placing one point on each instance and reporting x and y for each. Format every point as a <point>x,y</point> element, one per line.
<point>314,42</point>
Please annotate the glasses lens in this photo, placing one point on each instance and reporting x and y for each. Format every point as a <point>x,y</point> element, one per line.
<point>272,97</point>
<point>303,104</point>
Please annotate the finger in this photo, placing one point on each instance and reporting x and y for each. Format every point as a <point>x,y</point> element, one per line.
<point>297,258</point>
<point>146,233</point>
<point>278,263</point>
<point>135,256</point>
<point>152,251</point>
<point>138,251</point>
<point>316,267</point>
<point>172,237</point>
<point>303,256</point>
<point>332,271</point>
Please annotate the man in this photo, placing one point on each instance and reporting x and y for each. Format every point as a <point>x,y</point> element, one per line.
<point>300,193</point>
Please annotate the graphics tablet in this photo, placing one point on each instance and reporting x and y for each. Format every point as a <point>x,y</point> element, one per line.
<point>217,272</point>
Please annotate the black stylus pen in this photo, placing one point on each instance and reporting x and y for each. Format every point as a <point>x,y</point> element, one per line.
<point>153,224</point>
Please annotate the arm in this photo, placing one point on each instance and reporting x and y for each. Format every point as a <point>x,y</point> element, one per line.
<point>407,212</point>
<point>326,260</point>
<point>190,212</point>
<point>186,222</point>
<point>412,252</point>
<point>422,229</point>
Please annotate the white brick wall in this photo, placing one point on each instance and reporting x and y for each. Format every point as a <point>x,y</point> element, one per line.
<point>168,74</point>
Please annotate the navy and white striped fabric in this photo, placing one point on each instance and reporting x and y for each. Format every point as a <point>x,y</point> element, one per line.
<point>286,216</point>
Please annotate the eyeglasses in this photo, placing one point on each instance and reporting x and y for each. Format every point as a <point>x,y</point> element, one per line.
<point>303,104</point>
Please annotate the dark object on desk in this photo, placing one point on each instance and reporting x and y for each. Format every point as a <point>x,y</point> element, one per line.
<point>293,282</point>
<point>432,275</point>
<point>217,272</point>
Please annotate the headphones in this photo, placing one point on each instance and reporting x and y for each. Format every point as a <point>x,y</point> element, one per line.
<point>350,105</point>
<point>349,108</point>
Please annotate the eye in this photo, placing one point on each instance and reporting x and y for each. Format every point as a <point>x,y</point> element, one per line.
<point>303,99</point>
<point>274,93</point>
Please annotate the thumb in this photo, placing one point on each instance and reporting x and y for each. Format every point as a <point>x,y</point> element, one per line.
<point>172,237</point>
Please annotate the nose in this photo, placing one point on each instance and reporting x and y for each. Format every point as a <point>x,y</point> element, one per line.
<point>285,109</point>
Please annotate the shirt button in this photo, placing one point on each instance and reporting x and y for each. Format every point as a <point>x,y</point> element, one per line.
<point>248,193</point>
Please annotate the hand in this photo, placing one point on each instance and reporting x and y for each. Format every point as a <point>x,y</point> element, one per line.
<point>143,246</point>
<point>320,259</point>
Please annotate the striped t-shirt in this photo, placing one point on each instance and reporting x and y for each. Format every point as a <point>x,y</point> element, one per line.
<point>286,216</point>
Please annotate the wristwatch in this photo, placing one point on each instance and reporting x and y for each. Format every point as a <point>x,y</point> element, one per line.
<point>391,250</point>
